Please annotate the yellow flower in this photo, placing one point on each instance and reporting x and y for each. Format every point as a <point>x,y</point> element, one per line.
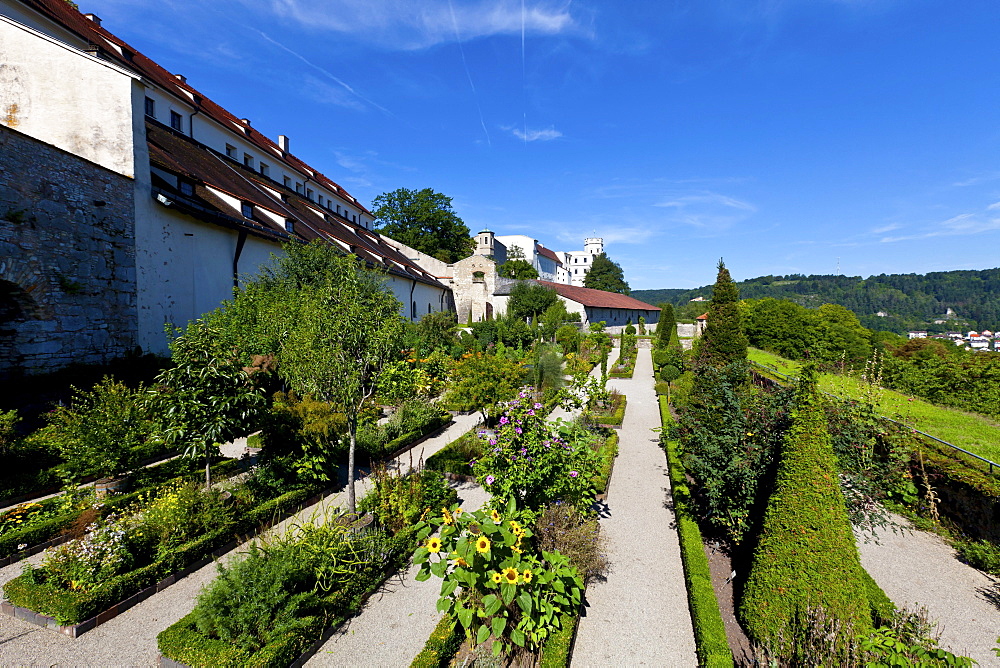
<point>495,516</point>
<point>458,512</point>
<point>462,562</point>
<point>511,576</point>
<point>516,526</point>
<point>497,578</point>
<point>447,517</point>
<point>517,549</point>
<point>433,544</point>
<point>526,575</point>
<point>483,544</point>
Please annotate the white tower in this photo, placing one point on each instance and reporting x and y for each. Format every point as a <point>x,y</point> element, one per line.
<point>593,246</point>
<point>485,243</point>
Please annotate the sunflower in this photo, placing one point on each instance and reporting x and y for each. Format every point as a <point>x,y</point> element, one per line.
<point>433,544</point>
<point>447,516</point>
<point>497,578</point>
<point>458,512</point>
<point>515,525</point>
<point>517,549</point>
<point>526,575</point>
<point>482,544</point>
<point>461,562</point>
<point>495,516</point>
<point>511,576</point>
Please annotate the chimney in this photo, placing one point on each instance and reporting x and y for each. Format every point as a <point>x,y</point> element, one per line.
<point>245,121</point>
<point>181,78</point>
<point>283,143</point>
<point>95,18</point>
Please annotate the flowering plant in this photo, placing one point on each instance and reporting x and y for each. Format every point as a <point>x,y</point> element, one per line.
<point>87,562</point>
<point>528,462</point>
<point>494,582</point>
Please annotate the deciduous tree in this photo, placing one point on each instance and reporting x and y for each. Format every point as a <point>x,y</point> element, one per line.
<point>424,220</point>
<point>606,275</point>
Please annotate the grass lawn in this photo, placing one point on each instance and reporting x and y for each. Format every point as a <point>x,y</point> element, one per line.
<point>973,432</point>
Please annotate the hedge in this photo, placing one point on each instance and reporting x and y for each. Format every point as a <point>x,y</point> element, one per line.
<point>626,370</point>
<point>608,452</point>
<point>615,418</point>
<point>184,643</point>
<point>453,458</point>
<point>557,647</point>
<point>806,556</point>
<point>397,443</point>
<point>712,647</point>
<point>73,607</point>
<point>441,646</point>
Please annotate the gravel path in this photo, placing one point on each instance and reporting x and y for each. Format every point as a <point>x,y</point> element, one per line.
<point>916,568</point>
<point>398,619</point>
<point>130,638</point>
<point>639,616</point>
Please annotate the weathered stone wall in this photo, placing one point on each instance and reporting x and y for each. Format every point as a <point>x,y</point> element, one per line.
<point>474,281</point>
<point>67,258</point>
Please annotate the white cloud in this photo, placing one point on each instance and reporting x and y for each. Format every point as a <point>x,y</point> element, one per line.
<point>406,24</point>
<point>993,207</point>
<point>960,225</point>
<point>710,212</point>
<point>886,228</point>
<point>547,134</point>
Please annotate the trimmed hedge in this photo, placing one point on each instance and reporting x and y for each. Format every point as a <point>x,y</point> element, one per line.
<point>556,650</point>
<point>625,370</point>
<point>73,607</point>
<point>397,443</point>
<point>184,643</point>
<point>711,644</point>
<point>441,646</point>
<point>455,457</point>
<point>806,556</point>
<point>608,453</point>
<point>616,417</point>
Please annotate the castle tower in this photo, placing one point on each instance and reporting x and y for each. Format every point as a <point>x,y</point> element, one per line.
<point>593,246</point>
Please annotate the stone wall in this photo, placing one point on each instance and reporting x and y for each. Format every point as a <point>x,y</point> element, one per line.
<point>67,258</point>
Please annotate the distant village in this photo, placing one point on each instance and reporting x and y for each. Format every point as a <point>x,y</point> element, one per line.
<point>984,340</point>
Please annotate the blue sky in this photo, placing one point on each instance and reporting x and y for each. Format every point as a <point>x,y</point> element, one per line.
<point>782,135</point>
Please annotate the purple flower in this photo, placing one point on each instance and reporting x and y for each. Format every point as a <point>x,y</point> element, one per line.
<point>490,479</point>
<point>531,412</point>
<point>493,441</point>
<point>524,451</point>
<point>504,420</point>
<point>537,405</point>
<point>518,430</point>
<point>573,474</point>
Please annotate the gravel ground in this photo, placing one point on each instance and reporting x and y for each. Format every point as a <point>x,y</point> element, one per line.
<point>639,616</point>
<point>130,638</point>
<point>398,619</point>
<point>916,568</point>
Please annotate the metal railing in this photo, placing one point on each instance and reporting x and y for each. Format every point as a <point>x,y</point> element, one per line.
<point>992,464</point>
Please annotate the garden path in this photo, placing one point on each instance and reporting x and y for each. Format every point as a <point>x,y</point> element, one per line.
<point>639,615</point>
<point>130,638</point>
<point>917,568</point>
<point>398,619</point>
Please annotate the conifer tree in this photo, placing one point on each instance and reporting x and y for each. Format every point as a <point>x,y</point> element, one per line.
<point>606,275</point>
<point>723,341</point>
<point>806,560</point>
<point>666,327</point>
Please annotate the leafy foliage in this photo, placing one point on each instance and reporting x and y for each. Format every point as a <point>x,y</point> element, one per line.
<point>517,269</point>
<point>606,275</point>
<point>529,300</point>
<point>723,341</point>
<point>481,382</point>
<point>424,220</point>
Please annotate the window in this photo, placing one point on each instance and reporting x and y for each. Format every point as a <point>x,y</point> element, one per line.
<point>309,194</point>
<point>230,151</point>
<point>287,181</point>
<point>151,107</point>
<point>298,187</point>
<point>186,188</point>
<point>289,225</point>
<point>248,160</point>
<point>355,218</point>
<point>176,122</point>
<point>338,209</point>
<point>319,198</point>
<point>264,169</point>
<point>247,210</point>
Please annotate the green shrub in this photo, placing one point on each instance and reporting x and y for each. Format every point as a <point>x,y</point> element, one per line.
<point>981,554</point>
<point>608,452</point>
<point>455,457</point>
<point>660,357</point>
<point>661,388</point>
<point>562,528</point>
<point>441,646</point>
<point>614,415</point>
<point>555,651</point>
<point>806,559</point>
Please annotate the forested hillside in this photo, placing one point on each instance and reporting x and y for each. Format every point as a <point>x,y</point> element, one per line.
<point>909,301</point>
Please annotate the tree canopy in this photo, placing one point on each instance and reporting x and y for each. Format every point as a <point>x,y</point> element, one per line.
<point>606,275</point>
<point>425,221</point>
<point>530,299</point>
<point>724,341</point>
<point>517,269</point>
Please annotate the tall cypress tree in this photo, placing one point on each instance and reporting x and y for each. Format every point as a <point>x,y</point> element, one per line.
<point>666,327</point>
<point>724,341</point>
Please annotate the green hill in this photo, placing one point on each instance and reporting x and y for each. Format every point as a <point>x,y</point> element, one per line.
<point>908,301</point>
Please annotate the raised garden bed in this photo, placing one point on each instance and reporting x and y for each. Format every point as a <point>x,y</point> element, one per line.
<point>76,612</point>
<point>610,416</point>
<point>183,645</point>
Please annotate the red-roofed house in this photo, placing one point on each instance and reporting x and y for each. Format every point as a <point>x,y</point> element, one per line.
<point>615,310</point>
<point>210,197</point>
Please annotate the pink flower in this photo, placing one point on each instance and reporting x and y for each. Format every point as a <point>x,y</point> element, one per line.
<point>573,474</point>
<point>538,405</point>
<point>490,479</point>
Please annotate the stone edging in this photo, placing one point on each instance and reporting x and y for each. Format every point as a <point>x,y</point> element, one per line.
<point>76,630</point>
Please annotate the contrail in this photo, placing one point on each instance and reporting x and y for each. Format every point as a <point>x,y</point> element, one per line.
<point>325,72</point>
<point>454,23</point>
<point>524,86</point>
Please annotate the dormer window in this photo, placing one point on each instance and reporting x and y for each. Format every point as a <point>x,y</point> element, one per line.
<point>247,210</point>
<point>248,160</point>
<point>151,107</point>
<point>176,121</point>
<point>230,151</point>
<point>289,226</point>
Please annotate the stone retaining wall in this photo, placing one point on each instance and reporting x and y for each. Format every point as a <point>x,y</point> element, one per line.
<point>67,258</point>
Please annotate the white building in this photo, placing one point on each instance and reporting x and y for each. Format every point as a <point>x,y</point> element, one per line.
<point>213,197</point>
<point>578,263</point>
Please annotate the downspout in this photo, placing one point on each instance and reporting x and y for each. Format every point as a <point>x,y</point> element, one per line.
<point>413,287</point>
<point>191,121</point>
<point>236,259</point>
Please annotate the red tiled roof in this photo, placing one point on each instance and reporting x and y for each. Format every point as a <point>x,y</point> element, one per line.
<point>64,14</point>
<point>703,316</point>
<point>542,250</point>
<point>598,298</point>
